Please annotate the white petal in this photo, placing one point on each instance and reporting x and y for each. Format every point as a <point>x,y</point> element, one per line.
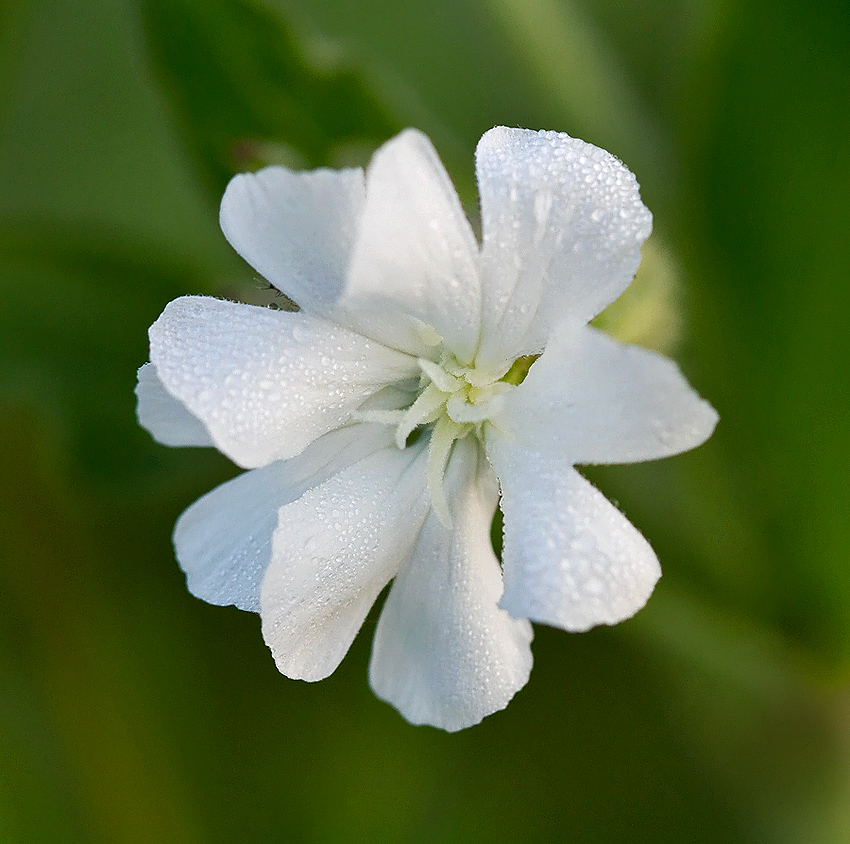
<point>166,418</point>
<point>266,383</point>
<point>334,550</point>
<point>224,540</point>
<point>570,558</point>
<point>445,654</point>
<point>416,256</point>
<point>296,229</point>
<point>601,401</point>
<point>562,224</point>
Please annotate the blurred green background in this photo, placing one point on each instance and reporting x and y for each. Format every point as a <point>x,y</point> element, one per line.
<point>132,712</point>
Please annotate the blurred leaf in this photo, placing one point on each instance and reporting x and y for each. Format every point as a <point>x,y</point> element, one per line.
<point>649,313</point>
<point>762,714</point>
<point>237,78</point>
<point>577,66</point>
<point>443,67</point>
<point>98,732</point>
<point>768,203</point>
<point>86,151</point>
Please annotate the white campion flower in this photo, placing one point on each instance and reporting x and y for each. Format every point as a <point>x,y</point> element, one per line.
<point>383,420</point>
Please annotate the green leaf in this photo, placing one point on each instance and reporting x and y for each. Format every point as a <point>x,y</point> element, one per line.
<point>239,84</point>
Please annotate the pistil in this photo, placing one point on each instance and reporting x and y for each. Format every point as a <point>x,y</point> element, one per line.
<point>456,400</point>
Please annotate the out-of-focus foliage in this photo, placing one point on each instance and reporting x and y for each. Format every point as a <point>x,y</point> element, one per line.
<point>241,89</point>
<point>131,712</point>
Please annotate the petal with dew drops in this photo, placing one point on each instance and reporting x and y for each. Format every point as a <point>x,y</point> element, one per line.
<point>333,551</point>
<point>224,540</point>
<point>416,256</point>
<point>267,383</point>
<point>601,401</point>
<point>444,653</point>
<point>164,417</point>
<point>571,558</point>
<point>562,224</point>
<point>296,229</point>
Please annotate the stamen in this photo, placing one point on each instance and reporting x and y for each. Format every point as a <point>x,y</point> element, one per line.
<point>442,438</point>
<point>481,377</point>
<point>461,410</point>
<point>430,400</point>
<point>428,335</point>
<point>445,382</point>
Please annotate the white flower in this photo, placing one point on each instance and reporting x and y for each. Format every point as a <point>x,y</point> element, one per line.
<point>384,419</point>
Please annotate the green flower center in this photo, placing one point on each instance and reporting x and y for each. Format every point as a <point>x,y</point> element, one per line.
<point>456,400</point>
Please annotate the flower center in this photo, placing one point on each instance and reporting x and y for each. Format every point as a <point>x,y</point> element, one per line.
<point>453,395</point>
<point>455,400</point>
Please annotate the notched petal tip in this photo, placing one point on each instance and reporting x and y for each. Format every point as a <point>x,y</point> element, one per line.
<point>562,224</point>
<point>597,609</point>
<point>165,417</point>
<point>296,229</point>
<point>500,137</point>
<point>444,653</point>
<point>618,404</point>
<point>415,259</point>
<point>571,559</point>
<point>333,551</point>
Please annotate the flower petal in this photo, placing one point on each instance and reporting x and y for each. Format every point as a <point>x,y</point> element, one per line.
<point>444,653</point>
<point>601,401</point>
<point>570,558</point>
<point>296,229</point>
<point>224,540</point>
<point>164,417</point>
<point>266,383</point>
<point>334,550</point>
<point>416,256</point>
<point>562,224</point>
